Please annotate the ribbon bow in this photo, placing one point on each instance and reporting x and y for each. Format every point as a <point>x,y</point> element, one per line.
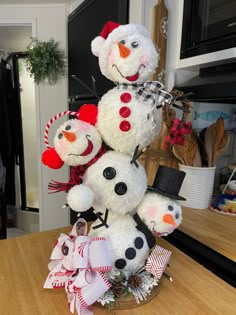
<point>152,90</point>
<point>78,264</point>
<point>177,132</point>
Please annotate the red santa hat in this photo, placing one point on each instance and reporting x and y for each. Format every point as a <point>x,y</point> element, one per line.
<point>86,113</point>
<point>113,32</point>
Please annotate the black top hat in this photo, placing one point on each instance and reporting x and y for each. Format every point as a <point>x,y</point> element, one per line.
<point>168,182</point>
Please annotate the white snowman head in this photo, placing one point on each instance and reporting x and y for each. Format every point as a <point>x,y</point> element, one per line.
<point>161,214</point>
<point>159,208</point>
<point>117,184</point>
<point>126,53</point>
<point>76,142</point>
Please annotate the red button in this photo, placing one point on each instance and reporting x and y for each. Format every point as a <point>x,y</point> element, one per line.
<point>124,111</point>
<point>125,97</point>
<point>125,126</point>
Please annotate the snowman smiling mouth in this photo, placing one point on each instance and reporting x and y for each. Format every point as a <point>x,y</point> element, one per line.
<point>87,151</point>
<point>131,78</point>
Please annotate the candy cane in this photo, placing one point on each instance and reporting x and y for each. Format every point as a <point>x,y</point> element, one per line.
<point>51,121</point>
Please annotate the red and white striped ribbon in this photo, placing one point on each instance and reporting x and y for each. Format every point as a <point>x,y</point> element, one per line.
<point>51,121</point>
<point>157,261</point>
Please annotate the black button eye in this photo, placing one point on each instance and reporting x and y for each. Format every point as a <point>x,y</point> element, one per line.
<point>65,249</point>
<point>60,136</point>
<point>109,173</point>
<point>68,127</point>
<point>177,215</point>
<point>122,41</point>
<point>120,188</point>
<point>134,44</point>
<point>170,208</point>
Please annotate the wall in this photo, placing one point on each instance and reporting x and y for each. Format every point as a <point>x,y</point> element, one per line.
<point>47,21</point>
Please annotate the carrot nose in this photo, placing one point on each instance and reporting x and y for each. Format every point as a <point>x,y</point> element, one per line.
<point>124,51</point>
<point>70,136</point>
<point>168,218</point>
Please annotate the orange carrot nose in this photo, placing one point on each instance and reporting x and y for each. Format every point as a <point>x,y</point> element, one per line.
<point>124,51</point>
<point>168,218</point>
<point>70,136</point>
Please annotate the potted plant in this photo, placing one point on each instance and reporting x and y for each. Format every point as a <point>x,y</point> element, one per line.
<point>45,61</point>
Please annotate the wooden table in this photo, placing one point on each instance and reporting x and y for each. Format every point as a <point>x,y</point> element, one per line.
<point>215,230</point>
<point>23,270</point>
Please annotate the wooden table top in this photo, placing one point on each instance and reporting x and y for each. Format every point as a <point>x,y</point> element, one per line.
<point>23,270</point>
<point>212,229</point>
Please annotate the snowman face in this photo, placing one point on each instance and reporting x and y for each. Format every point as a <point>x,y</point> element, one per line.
<point>117,184</point>
<point>131,58</point>
<point>161,214</point>
<point>77,142</point>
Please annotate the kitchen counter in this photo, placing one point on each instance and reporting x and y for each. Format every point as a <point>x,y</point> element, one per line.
<point>215,230</point>
<point>23,270</point>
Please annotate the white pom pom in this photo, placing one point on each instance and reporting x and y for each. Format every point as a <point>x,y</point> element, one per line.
<point>80,198</point>
<point>96,45</point>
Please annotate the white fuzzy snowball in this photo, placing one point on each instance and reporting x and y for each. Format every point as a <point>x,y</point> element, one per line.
<point>80,198</point>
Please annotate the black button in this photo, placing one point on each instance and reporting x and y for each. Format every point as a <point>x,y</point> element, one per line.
<point>109,173</point>
<point>130,253</point>
<point>120,263</point>
<point>120,188</point>
<point>138,242</point>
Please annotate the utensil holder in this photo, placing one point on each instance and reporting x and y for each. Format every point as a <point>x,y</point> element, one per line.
<point>197,186</point>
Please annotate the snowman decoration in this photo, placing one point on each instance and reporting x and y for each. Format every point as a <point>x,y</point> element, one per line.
<point>130,214</point>
<point>130,114</point>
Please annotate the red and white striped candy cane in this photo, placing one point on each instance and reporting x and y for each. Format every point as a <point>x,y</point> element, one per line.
<point>51,121</point>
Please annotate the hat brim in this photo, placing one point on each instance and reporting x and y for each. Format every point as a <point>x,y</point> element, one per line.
<point>165,194</point>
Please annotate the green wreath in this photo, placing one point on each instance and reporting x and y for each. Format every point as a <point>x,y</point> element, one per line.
<point>45,61</point>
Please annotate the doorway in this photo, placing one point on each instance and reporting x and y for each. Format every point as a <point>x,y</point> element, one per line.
<point>14,40</point>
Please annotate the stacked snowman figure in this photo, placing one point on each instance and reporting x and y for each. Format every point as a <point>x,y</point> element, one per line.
<point>119,254</point>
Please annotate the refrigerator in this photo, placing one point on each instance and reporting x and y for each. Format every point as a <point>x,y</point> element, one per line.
<point>86,82</point>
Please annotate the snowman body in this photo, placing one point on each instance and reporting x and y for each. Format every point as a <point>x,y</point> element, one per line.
<point>125,121</point>
<point>113,183</point>
<point>128,246</point>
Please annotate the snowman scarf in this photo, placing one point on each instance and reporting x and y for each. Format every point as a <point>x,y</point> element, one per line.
<point>150,91</point>
<point>76,176</point>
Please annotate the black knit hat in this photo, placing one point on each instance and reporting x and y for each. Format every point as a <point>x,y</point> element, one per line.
<point>168,182</point>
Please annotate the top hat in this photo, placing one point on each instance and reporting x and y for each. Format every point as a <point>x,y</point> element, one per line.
<point>168,182</point>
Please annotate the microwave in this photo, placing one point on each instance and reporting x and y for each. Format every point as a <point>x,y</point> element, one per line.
<point>207,26</point>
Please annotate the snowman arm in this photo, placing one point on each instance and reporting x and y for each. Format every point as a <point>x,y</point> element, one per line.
<point>80,198</point>
<point>142,227</point>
